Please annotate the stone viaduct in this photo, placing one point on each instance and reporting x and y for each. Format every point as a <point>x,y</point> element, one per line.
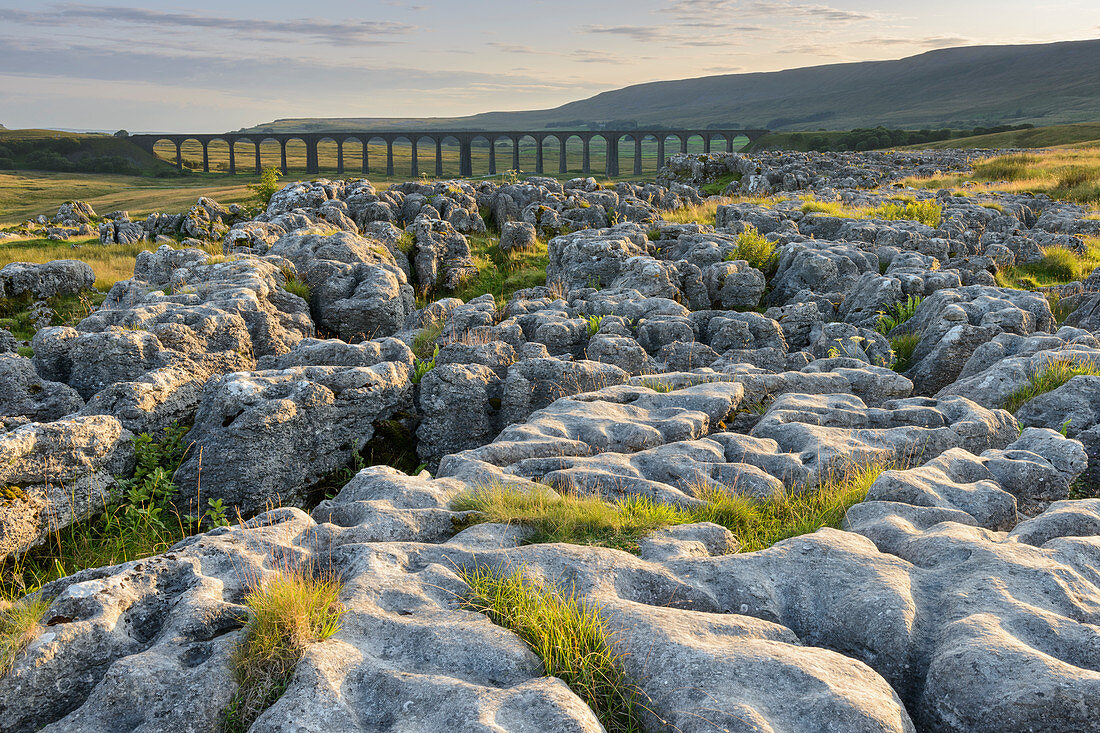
<point>465,140</point>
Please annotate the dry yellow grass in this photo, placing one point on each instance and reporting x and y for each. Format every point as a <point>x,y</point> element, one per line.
<point>110,263</point>
<point>24,195</point>
<point>1065,173</point>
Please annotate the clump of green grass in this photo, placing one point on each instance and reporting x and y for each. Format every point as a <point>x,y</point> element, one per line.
<point>589,520</point>
<point>297,287</point>
<point>593,324</point>
<point>704,213</point>
<point>19,624</point>
<point>926,212</point>
<point>287,613</point>
<point>67,310</point>
<point>832,208</point>
<point>570,637</point>
<point>423,366</point>
<point>1058,267</point>
<point>897,314</point>
<point>656,384</point>
<point>503,273</point>
<point>138,521</point>
<point>903,347</point>
<point>426,340</point>
<point>720,184</point>
<point>1049,378</point>
<point>1014,167</point>
<point>754,248</point>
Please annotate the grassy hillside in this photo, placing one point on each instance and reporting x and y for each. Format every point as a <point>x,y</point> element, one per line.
<point>75,152</point>
<point>26,194</point>
<point>1043,84</point>
<point>1087,133</point>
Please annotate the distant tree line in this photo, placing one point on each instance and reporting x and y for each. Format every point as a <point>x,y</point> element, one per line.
<point>65,154</point>
<point>875,138</point>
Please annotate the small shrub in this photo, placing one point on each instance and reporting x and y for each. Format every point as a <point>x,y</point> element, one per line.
<point>19,624</point>
<point>926,212</point>
<point>268,185</point>
<point>755,249</point>
<point>897,314</point>
<point>570,637</point>
<point>1051,377</point>
<point>287,613</point>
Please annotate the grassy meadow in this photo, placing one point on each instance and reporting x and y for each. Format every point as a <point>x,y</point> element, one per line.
<point>1070,173</point>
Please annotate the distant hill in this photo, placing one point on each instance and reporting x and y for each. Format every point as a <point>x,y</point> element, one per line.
<point>51,150</point>
<point>1047,84</point>
<point>1039,137</point>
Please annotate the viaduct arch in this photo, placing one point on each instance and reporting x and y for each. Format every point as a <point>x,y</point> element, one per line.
<point>427,140</point>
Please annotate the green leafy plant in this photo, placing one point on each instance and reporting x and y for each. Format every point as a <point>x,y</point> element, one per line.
<point>754,248</point>
<point>268,185</point>
<point>894,315</point>
<point>423,366</point>
<point>287,613</point>
<point>570,637</point>
<point>593,324</point>
<point>139,520</point>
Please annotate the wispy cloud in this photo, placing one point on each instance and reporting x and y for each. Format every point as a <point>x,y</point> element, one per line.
<point>927,42</point>
<point>341,33</point>
<point>641,33</point>
<point>694,9</point>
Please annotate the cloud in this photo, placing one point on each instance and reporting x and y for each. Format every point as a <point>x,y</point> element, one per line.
<point>929,42</point>
<point>514,47</point>
<point>641,33</point>
<point>346,32</point>
<point>694,9</point>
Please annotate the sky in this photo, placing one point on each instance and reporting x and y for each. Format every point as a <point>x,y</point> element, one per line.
<point>208,66</point>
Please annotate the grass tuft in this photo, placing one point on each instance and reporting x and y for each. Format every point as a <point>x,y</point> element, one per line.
<point>19,624</point>
<point>656,384</point>
<point>287,613</point>
<point>570,637</point>
<point>1058,267</point>
<point>589,520</point>
<point>1050,378</point>
<point>903,347</point>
